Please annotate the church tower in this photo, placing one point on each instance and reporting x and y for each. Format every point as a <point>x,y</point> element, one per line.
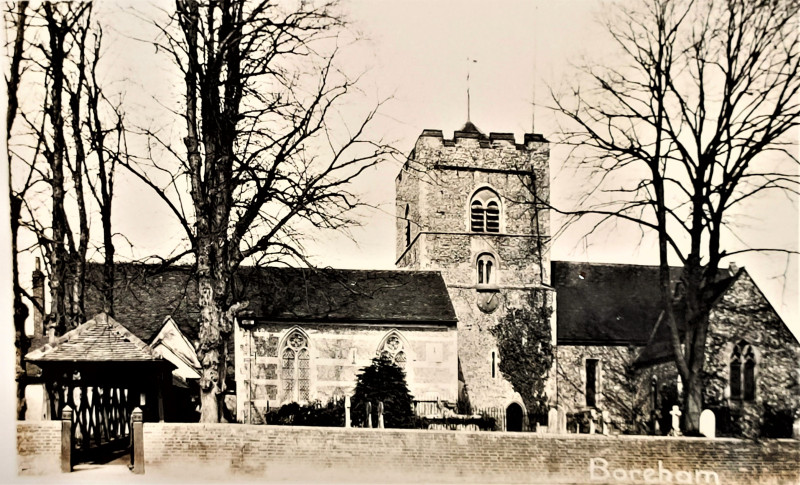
<point>468,207</point>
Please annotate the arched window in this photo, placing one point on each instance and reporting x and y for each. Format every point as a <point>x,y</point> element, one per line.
<point>487,269</point>
<point>485,211</point>
<point>408,229</point>
<point>295,368</point>
<point>742,372</point>
<point>394,350</point>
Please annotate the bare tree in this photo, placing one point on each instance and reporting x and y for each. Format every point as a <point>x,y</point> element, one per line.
<point>16,20</point>
<point>107,155</point>
<point>261,163</point>
<point>63,148</point>
<point>698,119</point>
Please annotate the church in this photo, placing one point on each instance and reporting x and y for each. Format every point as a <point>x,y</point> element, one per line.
<point>472,242</point>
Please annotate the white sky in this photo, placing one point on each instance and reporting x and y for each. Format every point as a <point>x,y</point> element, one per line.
<point>417,52</point>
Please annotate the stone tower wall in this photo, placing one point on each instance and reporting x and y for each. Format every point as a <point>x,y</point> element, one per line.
<point>437,184</point>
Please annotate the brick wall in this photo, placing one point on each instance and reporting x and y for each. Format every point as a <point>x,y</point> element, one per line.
<point>38,447</point>
<point>217,451</point>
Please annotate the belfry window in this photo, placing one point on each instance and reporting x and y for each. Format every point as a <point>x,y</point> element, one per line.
<point>487,268</point>
<point>742,372</point>
<point>295,368</point>
<point>485,212</point>
<point>393,349</point>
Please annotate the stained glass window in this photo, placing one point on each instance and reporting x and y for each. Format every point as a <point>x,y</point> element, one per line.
<point>393,349</point>
<point>295,365</point>
<point>743,372</point>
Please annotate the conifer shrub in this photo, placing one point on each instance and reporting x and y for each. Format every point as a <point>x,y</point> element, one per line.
<point>382,381</point>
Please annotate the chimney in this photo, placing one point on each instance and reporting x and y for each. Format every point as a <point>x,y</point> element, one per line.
<point>733,268</point>
<point>38,297</point>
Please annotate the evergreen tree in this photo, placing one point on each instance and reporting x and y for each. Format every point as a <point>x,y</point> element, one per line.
<point>383,381</point>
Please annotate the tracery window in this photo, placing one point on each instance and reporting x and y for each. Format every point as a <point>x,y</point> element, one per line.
<point>486,267</point>
<point>393,349</point>
<point>485,211</point>
<point>295,362</point>
<point>742,372</point>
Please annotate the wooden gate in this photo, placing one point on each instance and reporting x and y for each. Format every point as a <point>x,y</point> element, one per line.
<point>101,418</point>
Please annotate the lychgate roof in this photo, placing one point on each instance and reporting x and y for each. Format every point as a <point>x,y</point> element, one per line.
<point>101,339</point>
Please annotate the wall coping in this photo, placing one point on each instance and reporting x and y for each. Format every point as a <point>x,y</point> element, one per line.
<point>509,434</point>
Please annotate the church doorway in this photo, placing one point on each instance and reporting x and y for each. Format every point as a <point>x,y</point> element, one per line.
<point>514,417</point>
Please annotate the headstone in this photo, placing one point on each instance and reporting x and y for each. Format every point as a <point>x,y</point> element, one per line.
<point>606,418</point>
<point>552,421</point>
<point>708,424</point>
<point>592,427</point>
<point>796,429</point>
<point>676,421</point>
<point>347,411</point>
<point>380,414</point>
<point>562,421</point>
<point>369,414</point>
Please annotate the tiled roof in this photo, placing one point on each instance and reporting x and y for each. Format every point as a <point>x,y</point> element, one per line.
<point>613,304</point>
<point>606,304</point>
<point>144,296</point>
<point>101,339</point>
<point>341,295</point>
<point>659,348</point>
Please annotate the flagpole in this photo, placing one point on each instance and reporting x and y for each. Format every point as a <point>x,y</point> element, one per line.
<point>468,101</point>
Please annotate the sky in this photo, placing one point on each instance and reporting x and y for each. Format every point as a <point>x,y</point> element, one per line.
<point>418,53</point>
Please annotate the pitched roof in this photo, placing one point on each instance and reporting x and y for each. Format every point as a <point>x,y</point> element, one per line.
<point>659,347</point>
<point>145,296</point>
<point>179,350</point>
<point>341,295</point>
<point>615,304</point>
<point>606,304</point>
<point>101,339</point>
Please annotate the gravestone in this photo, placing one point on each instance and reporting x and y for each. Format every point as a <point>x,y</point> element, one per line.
<point>606,418</point>
<point>708,423</point>
<point>380,414</point>
<point>347,411</point>
<point>552,421</point>
<point>369,414</point>
<point>562,421</point>
<point>676,421</point>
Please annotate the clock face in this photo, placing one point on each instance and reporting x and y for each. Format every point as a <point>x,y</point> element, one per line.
<point>488,301</point>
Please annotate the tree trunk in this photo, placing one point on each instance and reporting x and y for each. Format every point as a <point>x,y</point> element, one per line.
<point>210,344</point>
<point>692,404</point>
<point>21,340</point>
<point>56,321</point>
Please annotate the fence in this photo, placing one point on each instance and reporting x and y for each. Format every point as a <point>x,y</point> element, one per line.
<point>444,409</point>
